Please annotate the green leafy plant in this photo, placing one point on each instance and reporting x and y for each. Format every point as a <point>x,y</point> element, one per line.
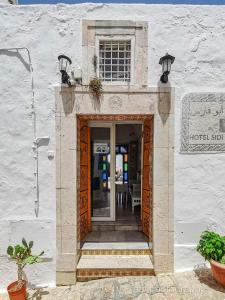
<point>95,87</point>
<point>212,246</point>
<point>22,256</point>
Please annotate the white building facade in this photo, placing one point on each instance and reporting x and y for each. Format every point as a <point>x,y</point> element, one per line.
<point>39,161</point>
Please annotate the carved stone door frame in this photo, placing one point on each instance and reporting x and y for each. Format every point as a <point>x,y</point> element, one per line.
<point>74,103</point>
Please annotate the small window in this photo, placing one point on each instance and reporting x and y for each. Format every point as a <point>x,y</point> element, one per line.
<point>115,60</point>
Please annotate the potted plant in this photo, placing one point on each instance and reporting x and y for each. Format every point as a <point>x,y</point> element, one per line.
<point>22,256</point>
<point>212,247</point>
<point>96,88</point>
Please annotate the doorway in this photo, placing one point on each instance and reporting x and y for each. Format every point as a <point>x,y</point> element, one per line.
<point>115,179</point>
<point>128,173</point>
<point>116,161</point>
<point>115,218</point>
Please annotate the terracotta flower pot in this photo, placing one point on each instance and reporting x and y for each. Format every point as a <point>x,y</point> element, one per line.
<point>15,294</point>
<point>218,271</point>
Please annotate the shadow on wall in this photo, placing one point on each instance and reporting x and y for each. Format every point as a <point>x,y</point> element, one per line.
<point>68,100</point>
<point>96,102</point>
<point>164,101</point>
<point>16,53</point>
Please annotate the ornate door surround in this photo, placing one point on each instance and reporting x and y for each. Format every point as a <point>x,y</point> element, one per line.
<point>117,102</point>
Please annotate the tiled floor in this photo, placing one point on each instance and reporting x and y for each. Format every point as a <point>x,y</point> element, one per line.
<point>116,236</point>
<point>124,229</point>
<point>125,213</point>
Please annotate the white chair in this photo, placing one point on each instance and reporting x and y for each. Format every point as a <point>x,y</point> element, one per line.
<point>121,192</point>
<point>136,196</point>
<point>130,186</point>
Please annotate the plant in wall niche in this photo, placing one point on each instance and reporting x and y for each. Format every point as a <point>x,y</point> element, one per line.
<point>212,247</point>
<point>22,256</point>
<point>96,88</point>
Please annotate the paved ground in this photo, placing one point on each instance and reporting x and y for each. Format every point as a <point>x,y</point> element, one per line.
<point>183,286</point>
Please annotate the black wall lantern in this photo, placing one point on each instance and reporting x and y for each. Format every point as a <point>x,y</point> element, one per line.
<point>64,63</point>
<point>166,62</point>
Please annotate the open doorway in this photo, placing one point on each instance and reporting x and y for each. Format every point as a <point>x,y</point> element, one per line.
<point>128,167</point>
<point>115,196</point>
<point>116,182</point>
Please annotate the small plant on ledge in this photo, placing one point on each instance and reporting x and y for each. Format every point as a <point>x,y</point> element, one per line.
<point>212,247</point>
<point>96,88</point>
<point>21,255</point>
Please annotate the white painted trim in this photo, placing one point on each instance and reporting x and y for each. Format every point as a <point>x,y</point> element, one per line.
<point>128,122</point>
<point>112,169</point>
<point>99,124</point>
<point>186,245</point>
<point>95,123</point>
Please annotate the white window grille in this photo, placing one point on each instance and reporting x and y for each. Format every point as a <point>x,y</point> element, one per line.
<point>115,60</point>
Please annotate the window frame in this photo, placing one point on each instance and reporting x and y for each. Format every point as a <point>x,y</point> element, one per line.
<point>119,37</point>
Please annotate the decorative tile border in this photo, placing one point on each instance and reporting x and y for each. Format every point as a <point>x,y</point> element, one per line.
<point>114,117</point>
<point>90,274</point>
<point>116,251</point>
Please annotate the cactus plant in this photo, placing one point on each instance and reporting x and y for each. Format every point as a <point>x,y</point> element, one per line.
<point>22,256</point>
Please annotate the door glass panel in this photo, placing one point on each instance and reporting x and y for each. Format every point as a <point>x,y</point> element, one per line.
<point>121,175</point>
<point>100,171</point>
<point>119,168</point>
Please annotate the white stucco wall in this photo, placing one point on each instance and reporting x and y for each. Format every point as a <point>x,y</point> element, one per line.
<point>193,34</point>
<point>8,2</point>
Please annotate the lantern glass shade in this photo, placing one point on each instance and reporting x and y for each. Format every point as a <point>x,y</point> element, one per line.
<point>64,62</point>
<point>166,66</point>
<point>166,62</point>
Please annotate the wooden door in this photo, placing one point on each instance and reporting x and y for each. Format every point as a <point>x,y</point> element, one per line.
<point>147,177</point>
<point>84,203</point>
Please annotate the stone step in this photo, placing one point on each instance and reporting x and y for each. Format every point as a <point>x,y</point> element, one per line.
<point>114,248</point>
<point>102,266</point>
<point>118,226</point>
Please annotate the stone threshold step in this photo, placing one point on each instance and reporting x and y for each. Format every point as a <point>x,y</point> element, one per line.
<point>116,245</point>
<point>116,248</point>
<point>116,262</point>
<point>93,274</point>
